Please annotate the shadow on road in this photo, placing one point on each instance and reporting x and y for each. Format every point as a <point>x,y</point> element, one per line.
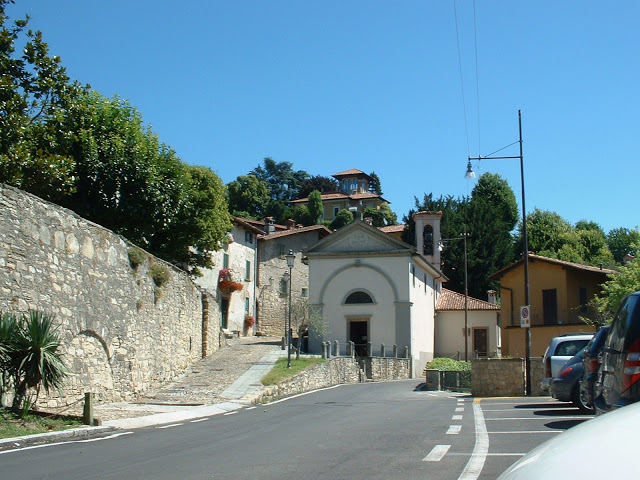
<point>565,424</point>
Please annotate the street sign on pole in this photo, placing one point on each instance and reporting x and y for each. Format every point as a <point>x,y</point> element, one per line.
<point>525,317</point>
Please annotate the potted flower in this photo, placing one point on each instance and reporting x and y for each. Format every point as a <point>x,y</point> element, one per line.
<point>249,322</point>
<point>226,281</point>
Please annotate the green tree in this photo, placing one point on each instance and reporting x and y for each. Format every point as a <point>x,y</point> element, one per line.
<point>381,216</point>
<point>547,232</point>
<point>248,197</point>
<point>284,182</point>
<point>626,281</point>
<point>374,184</point>
<point>492,216</point>
<point>34,87</point>
<point>317,182</point>
<point>622,241</point>
<point>344,217</point>
<point>315,206</point>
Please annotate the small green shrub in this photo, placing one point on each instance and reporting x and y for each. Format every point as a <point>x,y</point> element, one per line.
<point>448,364</point>
<point>160,274</point>
<point>136,257</point>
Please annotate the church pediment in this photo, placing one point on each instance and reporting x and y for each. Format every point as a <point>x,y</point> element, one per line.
<point>358,237</point>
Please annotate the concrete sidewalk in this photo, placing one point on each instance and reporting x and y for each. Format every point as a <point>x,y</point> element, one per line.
<point>242,392</point>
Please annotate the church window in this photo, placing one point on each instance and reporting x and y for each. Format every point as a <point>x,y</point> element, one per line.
<point>427,237</point>
<point>358,297</point>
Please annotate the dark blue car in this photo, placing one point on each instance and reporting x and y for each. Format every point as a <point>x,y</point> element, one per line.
<point>566,386</point>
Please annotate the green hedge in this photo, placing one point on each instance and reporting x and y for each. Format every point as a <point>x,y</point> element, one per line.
<point>449,364</point>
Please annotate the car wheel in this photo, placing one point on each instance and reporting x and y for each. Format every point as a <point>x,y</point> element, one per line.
<point>579,401</point>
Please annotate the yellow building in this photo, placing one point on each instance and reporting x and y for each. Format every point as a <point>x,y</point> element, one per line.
<point>559,293</point>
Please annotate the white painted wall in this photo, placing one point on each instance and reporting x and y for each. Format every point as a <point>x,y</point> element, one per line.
<point>422,315</point>
<point>449,327</point>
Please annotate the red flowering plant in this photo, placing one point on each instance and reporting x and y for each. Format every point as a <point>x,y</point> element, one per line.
<point>249,321</point>
<point>226,281</point>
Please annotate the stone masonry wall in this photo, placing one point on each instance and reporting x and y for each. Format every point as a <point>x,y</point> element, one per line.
<point>504,377</point>
<point>334,371</point>
<point>121,334</point>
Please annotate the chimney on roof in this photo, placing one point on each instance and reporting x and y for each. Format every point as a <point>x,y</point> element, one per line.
<point>291,224</point>
<point>269,225</point>
<point>492,297</point>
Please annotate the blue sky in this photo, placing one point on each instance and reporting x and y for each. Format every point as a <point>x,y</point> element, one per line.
<point>376,85</point>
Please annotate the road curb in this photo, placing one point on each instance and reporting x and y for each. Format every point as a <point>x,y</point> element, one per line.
<point>50,437</point>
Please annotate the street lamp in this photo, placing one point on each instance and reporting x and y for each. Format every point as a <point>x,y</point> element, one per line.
<point>287,281</point>
<point>290,259</point>
<point>463,237</point>
<point>525,250</point>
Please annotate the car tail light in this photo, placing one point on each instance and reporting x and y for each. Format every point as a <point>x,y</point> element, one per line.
<point>565,372</point>
<point>547,367</point>
<point>631,371</point>
<point>594,364</point>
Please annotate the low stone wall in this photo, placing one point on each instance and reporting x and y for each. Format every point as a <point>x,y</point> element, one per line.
<point>335,371</point>
<point>385,368</point>
<point>504,377</point>
<point>122,333</point>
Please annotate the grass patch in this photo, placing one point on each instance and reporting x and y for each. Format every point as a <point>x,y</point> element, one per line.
<point>13,426</point>
<point>280,372</point>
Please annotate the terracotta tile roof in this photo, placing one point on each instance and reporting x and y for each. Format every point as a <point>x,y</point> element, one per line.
<point>322,230</point>
<point>260,224</point>
<point>450,300</point>
<point>248,225</point>
<point>392,228</point>
<point>555,261</point>
<point>342,196</point>
<point>351,171</point>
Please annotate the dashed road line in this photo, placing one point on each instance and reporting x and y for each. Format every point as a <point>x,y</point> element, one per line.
<point>436,453</point>
<point>456,417</point>
<point>454,429</point>
<point>459,409</point>
<point>198,420</point>
<point>230,413</point>
<point>161,427</point>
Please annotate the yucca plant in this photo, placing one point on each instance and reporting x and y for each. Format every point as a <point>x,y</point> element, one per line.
<point>36,361</point>
<point>8,328</point>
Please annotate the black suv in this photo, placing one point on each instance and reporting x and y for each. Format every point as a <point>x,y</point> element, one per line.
<point>620,369</point>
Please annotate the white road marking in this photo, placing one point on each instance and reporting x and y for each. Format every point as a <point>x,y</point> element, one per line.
<point>170,426</point>
<point>457,454</point>
<point>459,409</point>
<point>530,431</point>
<point>563,417</point>
<point>454,429</point>
<point>302,394</point>
<point>199,420</point>
<point>251,408</point>
<point>436,453</point>
<point>46,445</point>
<point>476,462</point>
<point>456,417</point>
<point>230,413</point>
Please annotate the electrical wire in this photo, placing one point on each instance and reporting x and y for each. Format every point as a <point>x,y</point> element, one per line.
<point>475,41</point>
<point>464,103</point>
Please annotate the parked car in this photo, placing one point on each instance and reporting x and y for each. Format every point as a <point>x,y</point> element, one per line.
<point>602,447</point>
<point>591,364</point>
<point>566,386</point>
<point>620,369</point>
<point>560,350</point>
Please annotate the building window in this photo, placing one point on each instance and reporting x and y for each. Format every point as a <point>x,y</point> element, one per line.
<point>583,300</point>
<point>282,251</point>
<point>358,297</point>
<point>225,260</point>
<point>305,292</point>
<point>247,274</point>
<point>427,237</point>
<point>284,286</point>
<point>248,237</point>
<point>425,283</point>
<point>335,211</point>
<point>550,306</point>
<point>413,275</point>
<point>246,305</point>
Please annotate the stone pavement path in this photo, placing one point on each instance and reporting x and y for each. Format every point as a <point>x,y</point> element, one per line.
<point>205,383</point>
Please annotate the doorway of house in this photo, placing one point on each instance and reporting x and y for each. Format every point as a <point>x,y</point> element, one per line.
<point>359,335</point>
<point>480,345</point>
<point>224,312</point>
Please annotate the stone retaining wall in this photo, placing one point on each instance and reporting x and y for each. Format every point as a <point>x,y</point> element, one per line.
<point>122,334</point>
<point>379,368</point>
<point>504,377</point>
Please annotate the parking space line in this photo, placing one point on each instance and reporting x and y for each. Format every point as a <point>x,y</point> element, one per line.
<point>527,431</point>
<point>559,417</point>
<point>436,453</point>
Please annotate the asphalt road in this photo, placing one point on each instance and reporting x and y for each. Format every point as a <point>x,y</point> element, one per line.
<point>363,431</point>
